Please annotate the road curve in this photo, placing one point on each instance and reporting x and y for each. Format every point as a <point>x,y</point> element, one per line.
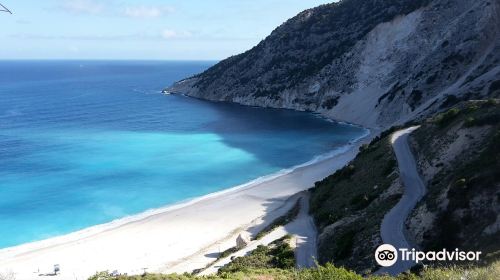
<point>392,229</point>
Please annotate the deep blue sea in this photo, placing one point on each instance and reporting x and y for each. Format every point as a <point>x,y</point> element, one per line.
<point>86,142</point>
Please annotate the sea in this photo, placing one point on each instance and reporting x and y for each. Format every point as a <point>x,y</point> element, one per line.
<point>83,143</point>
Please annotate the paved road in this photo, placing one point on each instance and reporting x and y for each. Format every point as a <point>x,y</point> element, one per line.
<point>303,231</point>
<point>392,228</point>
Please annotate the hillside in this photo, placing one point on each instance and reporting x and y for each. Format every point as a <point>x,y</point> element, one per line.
<point>458,154</point>
<point>327,272</point>
<point>370,62</point>
<point>348,206</point>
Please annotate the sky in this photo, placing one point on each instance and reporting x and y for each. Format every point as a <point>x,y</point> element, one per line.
<point>146,29</point>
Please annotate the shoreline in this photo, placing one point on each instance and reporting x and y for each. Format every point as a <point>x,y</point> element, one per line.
<point>96,229</point>
<point>23,259</point>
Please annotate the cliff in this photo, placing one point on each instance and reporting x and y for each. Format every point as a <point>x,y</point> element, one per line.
<point>370,62</point>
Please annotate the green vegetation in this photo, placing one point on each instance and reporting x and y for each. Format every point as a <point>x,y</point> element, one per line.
<point>446,118</point>
<point>352,198</point>
<point>280,221</point>
<point>489,118</point>
<point>349,205</point>
<point>278,254</point>
<point>326,272</point>
<point>302,47</point>
<point>227,253</point>
<point>466,178</point>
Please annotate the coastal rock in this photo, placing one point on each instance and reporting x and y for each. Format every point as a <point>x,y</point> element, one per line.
<point>374,63</point>
<point>242,240</point>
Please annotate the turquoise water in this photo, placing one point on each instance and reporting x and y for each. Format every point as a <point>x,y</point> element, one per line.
<point>86,142</point>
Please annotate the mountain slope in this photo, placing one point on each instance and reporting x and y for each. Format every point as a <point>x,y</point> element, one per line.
<point>458,157</point>
<point>458,153</point>
<point>371,62</point>
<point>349,206</point>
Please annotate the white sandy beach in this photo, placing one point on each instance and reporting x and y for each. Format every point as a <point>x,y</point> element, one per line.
<point>175,239</point>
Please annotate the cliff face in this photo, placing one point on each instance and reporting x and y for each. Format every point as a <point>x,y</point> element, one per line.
<point>371,62</point>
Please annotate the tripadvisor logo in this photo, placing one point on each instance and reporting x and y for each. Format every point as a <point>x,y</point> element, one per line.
<point>386,255</point>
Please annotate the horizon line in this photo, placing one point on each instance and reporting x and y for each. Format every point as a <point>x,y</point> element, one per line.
<point>109,59</point>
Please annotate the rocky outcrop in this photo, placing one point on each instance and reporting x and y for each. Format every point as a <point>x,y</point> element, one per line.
<point>370,62</point>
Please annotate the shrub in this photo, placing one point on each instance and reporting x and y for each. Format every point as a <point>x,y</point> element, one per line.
<point>227,252</point>
<point>489,119</point>
<point>472,107</point>
<point>446,118</point>
<point>278,254</point>
<point>344,245</point>
<point>103,275</point>
<point>391,164</point>
<point>364,147</point>
<point>469,122</point>
<point>328,272</point>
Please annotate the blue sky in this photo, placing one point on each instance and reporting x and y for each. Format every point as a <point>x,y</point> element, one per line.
<point>149,29</point>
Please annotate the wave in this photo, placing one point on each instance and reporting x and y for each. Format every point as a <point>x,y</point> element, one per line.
<point>147,91</point>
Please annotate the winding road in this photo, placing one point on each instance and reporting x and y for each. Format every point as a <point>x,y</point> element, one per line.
<point>393,225</point>
<point>392,228</point>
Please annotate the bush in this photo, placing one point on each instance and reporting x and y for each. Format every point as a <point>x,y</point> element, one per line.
<point>328,272</point>
<point>364,147</point>
<point>346,172</point>
<point>103,275</point>
<point>472,107</point>
<point>389,168</point>
<point>278,254</point>
<point>227,252</point>
<point>446,118</point>
<point>344,245</point>
<point>469,122</point>
<point>489,119</point>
